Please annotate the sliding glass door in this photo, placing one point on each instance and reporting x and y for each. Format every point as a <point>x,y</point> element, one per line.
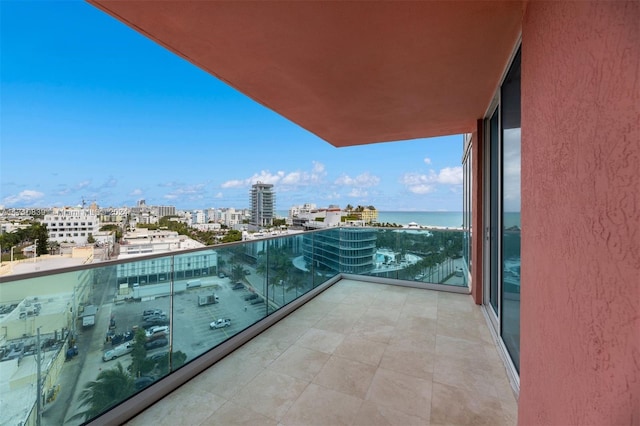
<point>502,218</point>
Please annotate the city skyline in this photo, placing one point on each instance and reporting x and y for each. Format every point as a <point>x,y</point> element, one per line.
<point>93,111</point>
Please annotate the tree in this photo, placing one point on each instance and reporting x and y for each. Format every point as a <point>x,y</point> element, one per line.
<point>238,273</point>
<point>139,354</point>
<point>90,239</point>
<point>113,228</point>
<point>110,387</point>
<point>231,236</point>
<point>177,360</point>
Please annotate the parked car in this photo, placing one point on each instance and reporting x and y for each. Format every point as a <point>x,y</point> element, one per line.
<point>154,323</point>
<point>251,296</point>
<point>158,343</point>
<point>159,356</point>
<point>159,329</point>
<point>257,301</point>
<point>220,323</point>
<point>150,312</point>
<point>117,351</point>
<point>238,286</point>
<point>221,275</point>
<point>121,338</point>
<point>142,382</point>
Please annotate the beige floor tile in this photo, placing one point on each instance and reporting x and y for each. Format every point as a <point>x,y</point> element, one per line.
<point>410,395</point>
<point>466,354</point>
<point>418,310</point>
<point>300,362</point>
<point>337,323</point>
<point>346,376</point>
<point>323,407</point>
<point>321,340</point>
<point>386,315</point>
<point>371,414</point>
<point>360,349</point>
<point>171,409</point>
<point>375,330</point>
<point>464,375</point>
<point>233,414</point>
<point>228,376</point>
<point>409,360</point>
<point>454,406</point>
<point>271,394</point>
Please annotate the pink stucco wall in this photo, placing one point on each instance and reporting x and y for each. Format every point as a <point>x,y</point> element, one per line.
<point>580,347</point>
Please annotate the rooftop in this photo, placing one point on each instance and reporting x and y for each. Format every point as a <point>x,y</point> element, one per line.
<point>358,354</point>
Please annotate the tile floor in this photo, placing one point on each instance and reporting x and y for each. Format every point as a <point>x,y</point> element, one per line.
<point>358,354</point>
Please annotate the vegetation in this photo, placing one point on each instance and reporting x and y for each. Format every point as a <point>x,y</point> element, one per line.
<point>23,237</point>
<point>238,273</point>
<point>90,239</point>
<point>110,387</point>
<point>279,222</point>
<point>113,228</point>
<point>139,362</point>
<point>231,236</point>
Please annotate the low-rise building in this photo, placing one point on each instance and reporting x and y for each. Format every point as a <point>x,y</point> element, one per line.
<point>71,224</point>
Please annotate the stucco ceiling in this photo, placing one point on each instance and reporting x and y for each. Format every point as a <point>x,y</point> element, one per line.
<point>350,72</point>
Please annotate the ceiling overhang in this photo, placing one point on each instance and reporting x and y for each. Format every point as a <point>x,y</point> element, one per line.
<point>350,72</point>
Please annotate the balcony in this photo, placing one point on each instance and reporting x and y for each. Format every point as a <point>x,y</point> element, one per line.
<point>269,322</point>
<point>360,353</point>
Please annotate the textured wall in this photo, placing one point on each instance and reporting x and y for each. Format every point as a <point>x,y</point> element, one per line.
<point>477,209</point>
<point>580,357</point>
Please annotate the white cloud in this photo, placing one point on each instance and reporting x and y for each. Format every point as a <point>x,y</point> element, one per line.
<point>136,191</point>
<point>420,183</point>
<point>318,167</point>
<point>27,196</point>
<point>233,184</point>
<point>450,176</point>
<point>427,160</point>
<point>422,188</point>
<point>358,192</point>
<point>188,192</point>
<point>363,180</point>
<point>286,181</point>
<point>219,195</point>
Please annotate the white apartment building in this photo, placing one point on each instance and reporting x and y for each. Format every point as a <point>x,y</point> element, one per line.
<point>145,241</point>
<point>71,225</point>
<point>263,204</point>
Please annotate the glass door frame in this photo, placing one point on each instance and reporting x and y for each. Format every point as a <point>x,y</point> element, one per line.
<point>495,316</point>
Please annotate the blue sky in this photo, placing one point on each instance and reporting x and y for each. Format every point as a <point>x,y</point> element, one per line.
<point>90,109</point>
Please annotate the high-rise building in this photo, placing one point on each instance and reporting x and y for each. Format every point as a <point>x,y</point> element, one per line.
<point>263,203</point>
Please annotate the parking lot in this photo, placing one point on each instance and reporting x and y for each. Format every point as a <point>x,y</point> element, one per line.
<point>189,322</point>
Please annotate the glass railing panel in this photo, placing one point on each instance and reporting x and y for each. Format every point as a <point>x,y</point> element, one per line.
<point>67,322</point>
<point>215,294</point>
<point>283,265</point>
<point>321,252</point>
<point>430,256</point>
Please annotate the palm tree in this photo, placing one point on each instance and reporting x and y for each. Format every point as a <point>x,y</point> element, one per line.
<point>110,387</point>
<point>238,273</point>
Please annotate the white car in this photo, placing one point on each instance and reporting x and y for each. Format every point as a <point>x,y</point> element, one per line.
<point>117,351</point>
<point>156,330</point>
<point>220,323</point>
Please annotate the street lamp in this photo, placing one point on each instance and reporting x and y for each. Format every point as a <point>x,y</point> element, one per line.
<point>35,250</point>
